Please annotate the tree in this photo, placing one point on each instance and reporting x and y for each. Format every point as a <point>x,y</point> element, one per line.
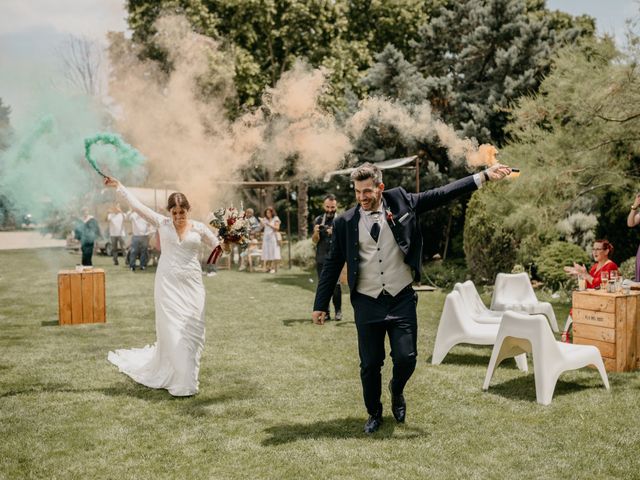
<point>379,23</point>
<point>142,21</point>
<point>5,140</point>
<point>82,63</point>
<point>578,149</point>
<point>393,76</point>
<point>5,126</point>
<point>478,56</point>
<point>265,36</point>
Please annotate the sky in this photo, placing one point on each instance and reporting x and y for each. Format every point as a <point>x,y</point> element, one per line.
<point>32,30</point>
<point>610,15</point>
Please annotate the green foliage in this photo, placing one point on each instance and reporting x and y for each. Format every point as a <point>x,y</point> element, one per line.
<point>572,144</point>
<point>478,56</point>
<point>269,35</point>
<point>144,13</point>
<point>628,268</point>
<point>444,274</point>
<point>379,23</point>
<point>489,247</point>
<point>393,76</point>
<point>612,209</point>
<point>554,257</point>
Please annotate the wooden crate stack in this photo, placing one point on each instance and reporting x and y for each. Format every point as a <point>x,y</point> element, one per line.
<point>610,321</point>
<point>81,297</point>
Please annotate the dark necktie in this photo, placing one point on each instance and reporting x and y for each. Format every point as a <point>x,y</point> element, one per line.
<point>375,231</point>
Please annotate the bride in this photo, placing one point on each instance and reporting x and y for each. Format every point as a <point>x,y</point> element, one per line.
<point>173,362</point>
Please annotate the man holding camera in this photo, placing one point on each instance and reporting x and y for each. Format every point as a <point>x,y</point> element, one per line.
<point>321,237</point>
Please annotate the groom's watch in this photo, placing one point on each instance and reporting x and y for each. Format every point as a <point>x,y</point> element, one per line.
<point>486,176</point>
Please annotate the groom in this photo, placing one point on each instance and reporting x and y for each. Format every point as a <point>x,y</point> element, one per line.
<point>381,242</point>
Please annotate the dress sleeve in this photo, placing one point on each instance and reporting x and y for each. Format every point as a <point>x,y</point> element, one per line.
<point>137,206</point>
<point>207,236</point>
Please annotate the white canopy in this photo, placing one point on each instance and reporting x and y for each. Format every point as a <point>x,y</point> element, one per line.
<point>384,165</point>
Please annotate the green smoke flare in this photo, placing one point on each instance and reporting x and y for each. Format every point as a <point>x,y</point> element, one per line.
<point>128,156</point>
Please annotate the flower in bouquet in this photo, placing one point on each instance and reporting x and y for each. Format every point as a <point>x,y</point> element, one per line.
<point>232,226</point>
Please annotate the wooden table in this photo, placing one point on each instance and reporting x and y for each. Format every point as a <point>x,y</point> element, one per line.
<point>81,296</point>
<point>610,321</point>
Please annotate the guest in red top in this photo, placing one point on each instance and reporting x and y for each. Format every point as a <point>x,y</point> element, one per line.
<point>601,251</point>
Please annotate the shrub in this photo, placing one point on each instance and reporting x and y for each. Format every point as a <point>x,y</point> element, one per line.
<point>552,260</point>
<point>488,246</point>
<point>628,268</point>
<point>303,254</point>
<point>578,228</point>
<point>444,274</point>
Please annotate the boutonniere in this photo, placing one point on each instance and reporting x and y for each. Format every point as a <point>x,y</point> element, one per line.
<point>390,217</point>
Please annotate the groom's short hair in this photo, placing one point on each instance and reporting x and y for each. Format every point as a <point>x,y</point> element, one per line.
<point>365,171</point>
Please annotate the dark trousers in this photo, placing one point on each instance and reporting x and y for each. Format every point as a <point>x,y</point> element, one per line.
<point>139,247</point>
<point>117,243</point>
<point>376,318</point>
<point>337,292</point>
<point>87,253</point>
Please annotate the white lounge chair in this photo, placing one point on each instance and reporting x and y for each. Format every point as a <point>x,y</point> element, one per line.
<point>522,333</point>
<point>513,291</point>
<point>457,326</point>
<point>475,305</point>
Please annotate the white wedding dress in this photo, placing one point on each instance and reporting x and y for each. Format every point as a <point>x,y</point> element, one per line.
<point>173,362</point>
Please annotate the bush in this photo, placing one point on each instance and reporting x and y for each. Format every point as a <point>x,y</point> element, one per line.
<point>552,260</point>
<point>489,247</point>
<point>303,254</point>
<point>444,274</point>
<point>628,268</point>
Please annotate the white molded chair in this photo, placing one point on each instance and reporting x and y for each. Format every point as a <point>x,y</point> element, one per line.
<point>475,305</point>
<point>522,333</point>
<point>457,326</point>
<point>513,291</point>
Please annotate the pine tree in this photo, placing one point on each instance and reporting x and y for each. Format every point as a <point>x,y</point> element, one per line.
<point>393,76</point>
<point>575,144</point>
<point>478,56</point>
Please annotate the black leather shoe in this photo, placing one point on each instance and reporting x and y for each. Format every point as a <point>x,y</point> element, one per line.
<point>373,424</point>
<point>398,405</point>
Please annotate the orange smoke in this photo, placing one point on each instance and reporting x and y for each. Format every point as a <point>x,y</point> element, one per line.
<point>484,156</point>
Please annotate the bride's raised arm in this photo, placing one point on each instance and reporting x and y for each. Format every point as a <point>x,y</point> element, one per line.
<point>136,205</point>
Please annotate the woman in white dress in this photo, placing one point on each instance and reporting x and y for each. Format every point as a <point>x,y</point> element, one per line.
<point>270,244</point>
<point>173,362</point>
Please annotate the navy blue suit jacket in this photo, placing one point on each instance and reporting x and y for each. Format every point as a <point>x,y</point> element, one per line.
<point>405,208</point>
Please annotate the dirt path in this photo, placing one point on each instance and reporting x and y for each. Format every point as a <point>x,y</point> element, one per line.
<point>27,239</point>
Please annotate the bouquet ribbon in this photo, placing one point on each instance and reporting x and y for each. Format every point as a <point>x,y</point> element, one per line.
<point>215,255</point>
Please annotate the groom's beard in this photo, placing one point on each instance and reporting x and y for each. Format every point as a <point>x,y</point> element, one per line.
<point>329,216</point>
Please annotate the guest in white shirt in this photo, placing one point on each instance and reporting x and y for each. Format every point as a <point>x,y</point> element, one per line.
<point>140,230</point>
<point>117,231</point>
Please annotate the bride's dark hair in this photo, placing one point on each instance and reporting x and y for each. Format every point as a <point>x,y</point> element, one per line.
<point>178,199</point>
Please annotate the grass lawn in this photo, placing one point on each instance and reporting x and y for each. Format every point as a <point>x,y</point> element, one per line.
<point>279,397</point>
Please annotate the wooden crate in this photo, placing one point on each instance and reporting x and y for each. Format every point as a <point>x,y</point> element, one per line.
<point>610,321</point>
<point>81,297</point>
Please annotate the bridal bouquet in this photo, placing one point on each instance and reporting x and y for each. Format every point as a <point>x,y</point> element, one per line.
<point>231,225</point>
